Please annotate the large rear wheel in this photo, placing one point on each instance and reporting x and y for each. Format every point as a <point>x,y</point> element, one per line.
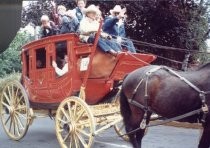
<point>75,124</point>
<point>14,110</point>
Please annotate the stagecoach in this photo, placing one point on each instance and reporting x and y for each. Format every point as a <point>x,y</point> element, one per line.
<point>83,101</point>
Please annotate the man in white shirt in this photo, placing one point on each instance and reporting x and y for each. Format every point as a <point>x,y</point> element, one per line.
<point>64,70</point>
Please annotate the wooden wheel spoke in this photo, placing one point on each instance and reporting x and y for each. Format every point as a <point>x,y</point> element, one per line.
<point>75,109</point>
<point>20,108</point>
<point>60,130</point>
<point>12,92</point>
<point>7,120</point>
<point>61,120</point>
<point>80,115</point>
<point>14,106</point>
<point>7,98</point>
<point>75,141</point>
<point>84,133</point>
<point>69,108</point>
<point>10,125</point>
<point>19,122</point>
<point>65,114</point>
<point>66,137</point>
<point>19,114</point>
<point>71,141</point>
<point>19,100</point>
<point>16,124</point>
<point>83,123</point>
<point>81,140</point>
<point>8,88</point>
<point>6,105</point>
<point>16,94</point>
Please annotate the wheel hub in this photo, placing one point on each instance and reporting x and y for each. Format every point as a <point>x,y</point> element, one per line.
<point>72,127</point>
<point>11,110</point>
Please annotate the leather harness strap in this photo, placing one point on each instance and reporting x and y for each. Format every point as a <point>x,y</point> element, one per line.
<point>146,108</point>
<point>166,121</point>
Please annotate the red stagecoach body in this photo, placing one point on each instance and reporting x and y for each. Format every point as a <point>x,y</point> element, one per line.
<point>46,90</point>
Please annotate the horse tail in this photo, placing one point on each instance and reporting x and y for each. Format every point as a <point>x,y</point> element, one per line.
<point>124,108</point>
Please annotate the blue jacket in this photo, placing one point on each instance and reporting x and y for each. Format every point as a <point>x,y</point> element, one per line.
<point>78,13</point>
<point>69,25</point>
<point>111,27</point>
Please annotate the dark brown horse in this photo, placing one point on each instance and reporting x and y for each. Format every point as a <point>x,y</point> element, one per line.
<point>167,93</point>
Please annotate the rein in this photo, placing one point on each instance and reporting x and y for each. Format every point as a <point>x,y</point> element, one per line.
<point>166,121</point>
<point>204,108</point>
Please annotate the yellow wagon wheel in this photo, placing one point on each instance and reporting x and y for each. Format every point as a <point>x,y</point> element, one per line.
<point>75,124</point>
<point>14,110</point>
<point>120,126</point>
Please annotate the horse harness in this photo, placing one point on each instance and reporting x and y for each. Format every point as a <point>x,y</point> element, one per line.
<point>202,94</point>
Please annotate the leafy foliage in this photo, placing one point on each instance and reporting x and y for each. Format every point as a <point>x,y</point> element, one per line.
<point>7,79</point>
<point>10,60</point>
<point>174,23</point>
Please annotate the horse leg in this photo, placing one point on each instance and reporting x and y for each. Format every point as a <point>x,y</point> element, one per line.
<point>136,138</point>
<point>140,134</point>
<point>205,138</point>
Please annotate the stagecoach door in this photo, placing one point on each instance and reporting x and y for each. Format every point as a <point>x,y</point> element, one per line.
<point>60,86</point>
<point>39,73</point>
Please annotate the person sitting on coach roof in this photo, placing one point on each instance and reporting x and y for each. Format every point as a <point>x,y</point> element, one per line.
<point>78,11</point>
<point>89,25</point>
<point>48,28</point>
<point>115,26</point>
<point>69,23</point>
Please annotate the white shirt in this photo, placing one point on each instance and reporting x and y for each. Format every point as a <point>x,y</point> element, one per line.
<point>87,25</point>
<point>60,72</point>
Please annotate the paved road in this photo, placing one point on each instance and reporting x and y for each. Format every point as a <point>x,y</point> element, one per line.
<point>42,135</point>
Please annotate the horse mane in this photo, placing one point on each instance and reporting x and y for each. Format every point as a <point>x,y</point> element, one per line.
<point>204,66</point>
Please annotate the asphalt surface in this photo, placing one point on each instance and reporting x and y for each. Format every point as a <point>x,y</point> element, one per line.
<point>41,134</point>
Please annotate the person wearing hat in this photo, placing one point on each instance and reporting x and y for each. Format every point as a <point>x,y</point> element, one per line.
<point>89,25</point>
<point>48,27</point>
<point>78,11</point>
<point>115,26</point>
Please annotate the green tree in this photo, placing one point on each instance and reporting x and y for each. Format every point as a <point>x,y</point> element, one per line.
<point>10,59</point>
<point>174,23</point>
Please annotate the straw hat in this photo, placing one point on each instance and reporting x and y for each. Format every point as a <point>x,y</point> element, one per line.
<point>91,8</point>
<point>116,8</point>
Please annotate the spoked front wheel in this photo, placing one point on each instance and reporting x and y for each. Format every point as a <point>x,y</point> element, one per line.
<point>75,124</point>
<point>14,110</point>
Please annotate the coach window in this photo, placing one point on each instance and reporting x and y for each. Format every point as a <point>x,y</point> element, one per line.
<point>40,58</point>
<point>61,51</point>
